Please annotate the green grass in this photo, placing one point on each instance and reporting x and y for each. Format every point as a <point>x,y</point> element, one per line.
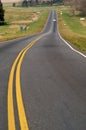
<point>71,29</point>
<point>38,25</point>
<point>78,41</point>
<point>74,23</point>
<point>16,17</point>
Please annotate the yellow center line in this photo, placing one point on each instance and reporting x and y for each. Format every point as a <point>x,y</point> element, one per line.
<point>11,119</point>
<point>21,111</point>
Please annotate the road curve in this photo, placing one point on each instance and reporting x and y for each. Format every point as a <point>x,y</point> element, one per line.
<point>47,83</point>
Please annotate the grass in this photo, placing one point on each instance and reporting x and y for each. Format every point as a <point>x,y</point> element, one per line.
<point>72,29</point>
<point>74,23</point>
<point>32,18</point>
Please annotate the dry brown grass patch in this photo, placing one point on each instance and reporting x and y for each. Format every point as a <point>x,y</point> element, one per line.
<point>83,23</point>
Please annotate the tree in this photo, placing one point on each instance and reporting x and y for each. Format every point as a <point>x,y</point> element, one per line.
<point>83,7</point>
<point>37,2</point>
<point>14,4</point>
<point>1,13</point>
<point>77,5</point>
<point>25,3</point>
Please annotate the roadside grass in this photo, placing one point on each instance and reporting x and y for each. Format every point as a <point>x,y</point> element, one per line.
<point>72,29</point>
<point>33,19</point>
<point>74,23</point>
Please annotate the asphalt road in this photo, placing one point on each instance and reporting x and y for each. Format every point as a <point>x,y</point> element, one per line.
<point>42,83</point>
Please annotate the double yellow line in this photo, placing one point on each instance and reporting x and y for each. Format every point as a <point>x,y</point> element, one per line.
<point>15,70</point>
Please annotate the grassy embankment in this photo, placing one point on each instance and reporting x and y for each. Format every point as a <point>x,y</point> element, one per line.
<point>72,29</point>
<point>32,18</point>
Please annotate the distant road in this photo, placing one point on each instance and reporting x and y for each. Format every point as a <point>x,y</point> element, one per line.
<point>42,82</point>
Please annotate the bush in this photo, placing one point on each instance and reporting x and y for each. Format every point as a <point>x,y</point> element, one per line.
<point>1,13</point>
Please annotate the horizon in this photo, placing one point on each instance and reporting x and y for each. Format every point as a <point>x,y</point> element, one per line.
<point>9,1</point>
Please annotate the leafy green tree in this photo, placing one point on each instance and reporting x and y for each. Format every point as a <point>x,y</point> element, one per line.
<point>14,4</point>
<point>25,3</point>
<point>1,13</point>
<point>37,2</point>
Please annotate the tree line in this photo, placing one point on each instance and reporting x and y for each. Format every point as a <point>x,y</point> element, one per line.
<point>77,5</point>
<point>26,3</point>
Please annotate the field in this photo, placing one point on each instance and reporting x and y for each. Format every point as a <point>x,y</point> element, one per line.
<point>72,29</point>
<point>22,22</point>
<point>28,21</point>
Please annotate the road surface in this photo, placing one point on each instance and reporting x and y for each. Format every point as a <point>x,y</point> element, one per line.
<point>42,83</point>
